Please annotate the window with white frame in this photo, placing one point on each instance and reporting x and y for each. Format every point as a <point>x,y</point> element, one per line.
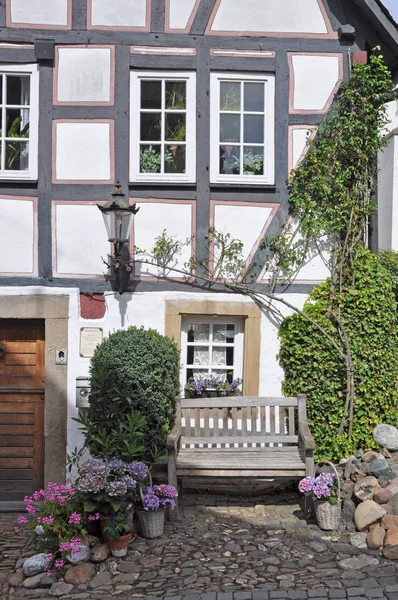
<point>19,92</point>
<point>242,128</point>
<point>163,126</point>
<point>211,346</point>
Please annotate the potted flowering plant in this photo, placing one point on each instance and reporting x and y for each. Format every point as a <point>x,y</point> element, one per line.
<point>152,503</point>
<point>117,532</point>
<point>57,517</point>
<point>212,386</point>
<point>325,492</point>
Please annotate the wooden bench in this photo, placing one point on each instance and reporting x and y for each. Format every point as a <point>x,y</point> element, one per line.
<point>240,436</point>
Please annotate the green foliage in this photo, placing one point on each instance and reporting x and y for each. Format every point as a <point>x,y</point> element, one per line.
<point>117,525</point>
<point>389,260</point>
<point>330,193</point>
<point>312,365</point>
<point>134,369</point>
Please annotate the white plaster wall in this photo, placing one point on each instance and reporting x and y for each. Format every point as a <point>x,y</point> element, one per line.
<point>123,13</point>
<point>81,240</point>
<point>392,114</point>
<point>179,13</point>
<point>37,12</point>
<point>83,151</point>
<point>244,223</point>
<point>84,74</point>
<point>283,16</point>
<point>387,196</point>
<point>16,236</point>
<point>314,80</point>
<point>300,138</point>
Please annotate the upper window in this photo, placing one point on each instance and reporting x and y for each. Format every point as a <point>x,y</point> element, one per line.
<point>19,121</point>
<point>242,128</point>
<point>163,114</point>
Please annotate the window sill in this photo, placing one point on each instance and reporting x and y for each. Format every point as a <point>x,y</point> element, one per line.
<point>169,184</point>
<point>245,186</point>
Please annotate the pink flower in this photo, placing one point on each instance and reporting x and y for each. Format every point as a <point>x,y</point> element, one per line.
<point>75,518</point>
<point>94,517</point>
<point>48,571</point>
<point>65,547</point>
<point>31,509</point>
<point>68,481</point>
<point>50,556</point>
<point>28,499</point>
<point>16,529</point>
<point>75,543</point>
<point>22,519</point>
<point>59,563</point>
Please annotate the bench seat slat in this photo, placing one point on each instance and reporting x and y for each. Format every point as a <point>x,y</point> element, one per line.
<point>242,439</point>
<point>271,474</point>
<point>238,459</point>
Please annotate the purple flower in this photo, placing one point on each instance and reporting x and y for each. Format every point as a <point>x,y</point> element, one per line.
<point>306,485</point>
<point>138,470</point>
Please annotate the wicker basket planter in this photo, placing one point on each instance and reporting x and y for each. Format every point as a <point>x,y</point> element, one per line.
<point>329,515</point>
<point>151,522</point>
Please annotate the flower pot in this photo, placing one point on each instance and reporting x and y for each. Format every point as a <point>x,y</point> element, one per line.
<point>151,522</point>
<point>328,515</point>
<point>119,547</point>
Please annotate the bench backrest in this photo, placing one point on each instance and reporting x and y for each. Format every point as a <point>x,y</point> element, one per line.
<point>239,421</point>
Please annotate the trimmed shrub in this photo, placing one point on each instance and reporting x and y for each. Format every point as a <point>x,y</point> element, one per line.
<point>312,365</point>
<point>135,369</point>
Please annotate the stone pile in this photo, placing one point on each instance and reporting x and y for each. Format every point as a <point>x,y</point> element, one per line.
<point>370,494</point>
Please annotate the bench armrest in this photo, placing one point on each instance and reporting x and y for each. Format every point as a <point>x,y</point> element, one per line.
<point>174,437</point>
<point>306,436</point>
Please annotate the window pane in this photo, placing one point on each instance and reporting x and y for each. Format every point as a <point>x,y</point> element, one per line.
<point>151,94</point>
<point>1,89</point>
<point>18,89</point>
<point>150,159</point>
<point>200,355</point>
<point>175,127</point>
<point>17,156</point>
<point>253,129</point>
<point>219,357</point>
<point>229,160</point>
<point>198,374</point>
<point>174,159</point>
<point>198,332</point>
<point>253,160</point>
<point>176,95</point>
<point>230,128</point>
<point>223,333</point>
<point>230,95</point>
<point>254,97</point>
<point>17,123</point>
<point>151,127</point>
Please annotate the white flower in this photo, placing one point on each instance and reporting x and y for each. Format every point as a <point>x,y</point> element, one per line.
<point>39,530</point>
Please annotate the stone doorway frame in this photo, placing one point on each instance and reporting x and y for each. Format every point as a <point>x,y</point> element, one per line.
<point>54,310</point>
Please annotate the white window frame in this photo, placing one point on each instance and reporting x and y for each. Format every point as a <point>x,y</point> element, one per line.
<point>29,174</point>
<point>268,177</point>
<point>238,345</point>
<point>135,88</point>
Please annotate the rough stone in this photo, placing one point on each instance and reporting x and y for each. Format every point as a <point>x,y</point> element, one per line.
<point>16,579</point>
<point>348,510</point>
<point>369,457</point>
<point>103,578</point>
<point>365,488</point>
<point>78,555</point>
<point>375,537</point>
<point>38,563</point>
<point>389,522</point>
<point>366,513</point>
<point>382,496</point>
<point>379,467</point>
<point>60,589</point>
<point>80,574</point>
<point>357,563</point>
<point>33,582</point>
<point>358,540</point>
<point>391,538</point>
<point>386,436</point>
<point>347,489</point>
<point>391,552</point>
<point>393,486</point>
<point>100,552</point>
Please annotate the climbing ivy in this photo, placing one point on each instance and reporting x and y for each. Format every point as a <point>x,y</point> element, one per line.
<point>312,365</point>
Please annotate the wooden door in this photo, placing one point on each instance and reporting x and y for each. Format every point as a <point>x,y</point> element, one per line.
<point>21,407</point>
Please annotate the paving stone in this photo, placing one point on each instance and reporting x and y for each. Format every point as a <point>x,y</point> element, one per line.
<point>337,594</point>
<point>374,593</point>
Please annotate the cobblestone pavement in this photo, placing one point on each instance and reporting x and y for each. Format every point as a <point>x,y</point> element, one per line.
<point>226,549</point>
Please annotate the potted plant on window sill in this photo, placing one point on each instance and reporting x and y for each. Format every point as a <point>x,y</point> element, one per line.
<point>212,387</point>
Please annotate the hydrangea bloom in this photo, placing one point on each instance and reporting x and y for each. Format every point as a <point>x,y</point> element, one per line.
<point>160,496</point>
<point>306,485</point>
<point>321,486</point>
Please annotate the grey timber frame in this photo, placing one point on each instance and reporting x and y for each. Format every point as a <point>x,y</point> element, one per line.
<point>372,27</point>
<point>242,437</point>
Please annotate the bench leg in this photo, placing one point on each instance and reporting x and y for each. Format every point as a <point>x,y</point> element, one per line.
<point>309,464</point>
<point>172,480</point>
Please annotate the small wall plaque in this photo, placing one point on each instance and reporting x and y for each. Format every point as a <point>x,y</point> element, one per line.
<point>90,337</point>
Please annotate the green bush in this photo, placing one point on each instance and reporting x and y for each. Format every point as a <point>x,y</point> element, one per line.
<point>312,365</point>
<point>389,260</point>
<point>135,369</point>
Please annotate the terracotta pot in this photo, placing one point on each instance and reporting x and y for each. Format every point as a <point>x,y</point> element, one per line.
<point>119,547</point>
